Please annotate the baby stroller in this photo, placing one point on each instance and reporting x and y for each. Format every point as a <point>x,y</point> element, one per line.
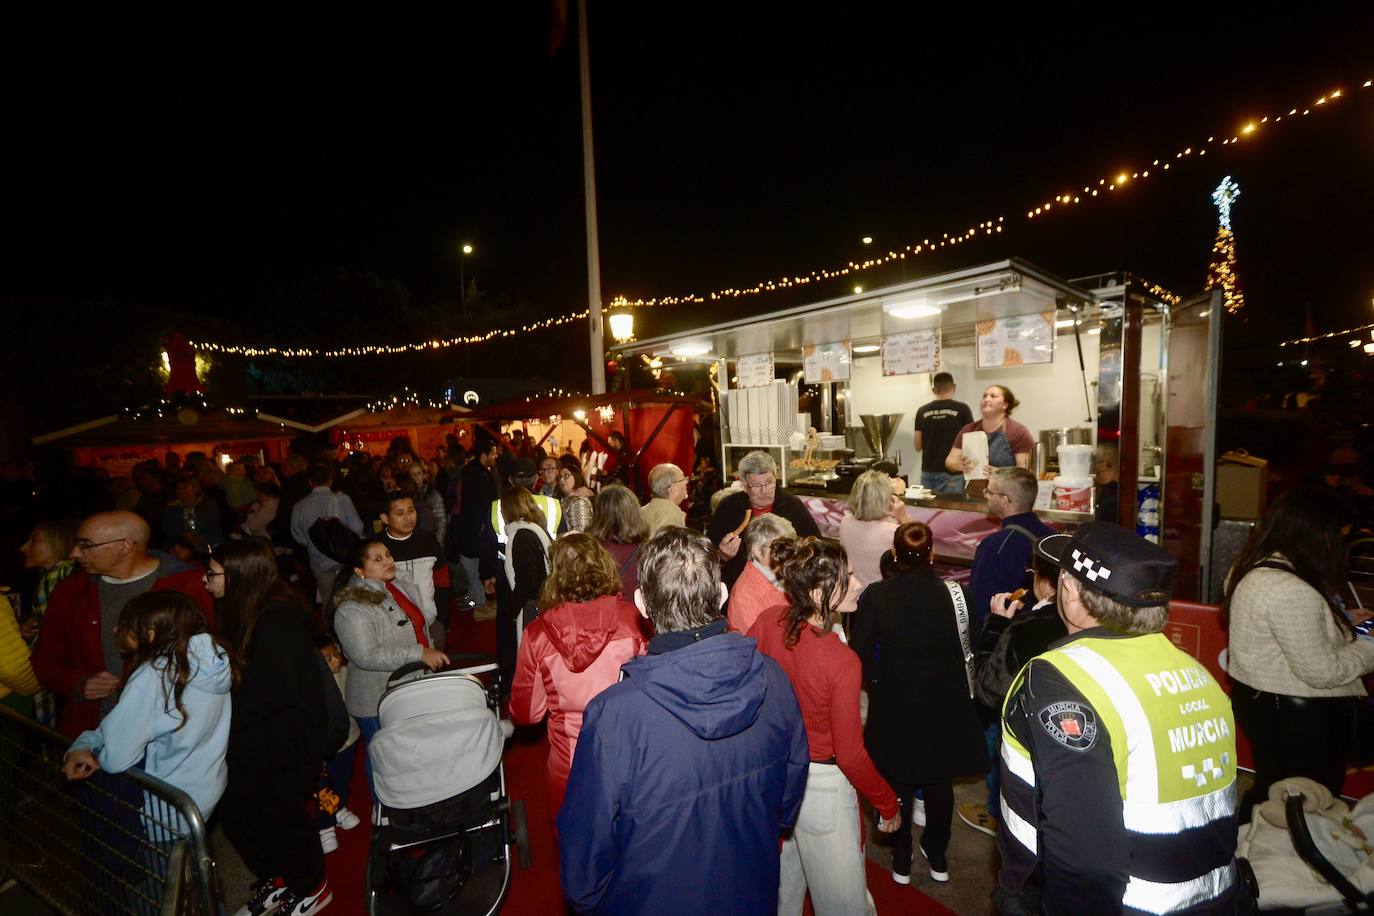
<point>441,843</point>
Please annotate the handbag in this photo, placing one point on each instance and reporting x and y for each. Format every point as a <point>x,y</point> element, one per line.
<point>956,594</point>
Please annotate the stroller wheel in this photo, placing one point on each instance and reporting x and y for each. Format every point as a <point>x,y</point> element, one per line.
<point>521,832</point>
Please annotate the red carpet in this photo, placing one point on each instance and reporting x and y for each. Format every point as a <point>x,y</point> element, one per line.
<point>534,891</point>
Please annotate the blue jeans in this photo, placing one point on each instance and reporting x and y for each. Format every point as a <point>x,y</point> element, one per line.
<point>940,482</point>
<point>337,777</point>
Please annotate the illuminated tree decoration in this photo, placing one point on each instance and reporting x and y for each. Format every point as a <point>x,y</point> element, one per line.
<point>1222,269</point>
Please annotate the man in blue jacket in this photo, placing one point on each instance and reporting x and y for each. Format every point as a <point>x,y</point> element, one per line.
<point>689,769</point>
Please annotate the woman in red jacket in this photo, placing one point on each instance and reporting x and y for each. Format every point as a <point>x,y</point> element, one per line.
<point>824,854</point>
<point>573,650</point>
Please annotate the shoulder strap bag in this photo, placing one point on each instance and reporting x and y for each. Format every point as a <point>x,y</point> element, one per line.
<point>956,594</point>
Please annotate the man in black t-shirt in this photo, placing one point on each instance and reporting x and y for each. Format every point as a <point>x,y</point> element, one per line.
<point>937,423</point>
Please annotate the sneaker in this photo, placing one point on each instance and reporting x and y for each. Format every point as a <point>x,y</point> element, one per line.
<point>939,868</point>
<point>918,812</point>
<point>265,897</point>
<point>977,817</point>
<point>329,841</point>
<point>293,905</point>
<point>899,878</point>
<point>346,819</point>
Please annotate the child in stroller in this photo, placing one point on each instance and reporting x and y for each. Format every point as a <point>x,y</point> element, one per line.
<point>442,838</point>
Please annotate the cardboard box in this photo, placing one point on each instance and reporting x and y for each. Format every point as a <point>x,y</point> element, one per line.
<point>1242,485</point>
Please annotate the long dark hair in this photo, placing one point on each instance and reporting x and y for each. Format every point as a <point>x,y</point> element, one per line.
<point>805,566</point>
<point>1304,527</point>
<point>251,582</point>
<point>173,619</point>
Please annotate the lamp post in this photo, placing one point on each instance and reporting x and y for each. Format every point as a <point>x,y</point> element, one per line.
<point>463,301</point>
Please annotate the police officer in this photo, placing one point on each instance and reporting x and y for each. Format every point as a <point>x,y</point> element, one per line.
<point>1118,753</point>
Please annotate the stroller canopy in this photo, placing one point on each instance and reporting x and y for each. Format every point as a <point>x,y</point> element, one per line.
<point>438,738</point>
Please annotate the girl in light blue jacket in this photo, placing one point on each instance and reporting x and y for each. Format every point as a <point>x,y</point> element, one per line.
<point>172,718</point>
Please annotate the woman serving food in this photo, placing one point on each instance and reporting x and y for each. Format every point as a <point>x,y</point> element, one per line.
<point>1009,443</point>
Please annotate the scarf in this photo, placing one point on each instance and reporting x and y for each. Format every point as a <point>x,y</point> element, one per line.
<point>512,528</point>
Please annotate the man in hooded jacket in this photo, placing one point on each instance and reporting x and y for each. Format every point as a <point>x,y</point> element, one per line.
<point>689,769</point>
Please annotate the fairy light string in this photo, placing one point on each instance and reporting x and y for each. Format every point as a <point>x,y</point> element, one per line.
<point>1063,201</point>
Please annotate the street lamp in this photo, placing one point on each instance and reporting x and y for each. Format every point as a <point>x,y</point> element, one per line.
<point>622,326</point>
<point>463,301</point>
<point>462,279</point>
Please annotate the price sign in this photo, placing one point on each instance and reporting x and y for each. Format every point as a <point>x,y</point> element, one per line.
<point>827,362</point>
<point>755,370</point>
<point>912,351</point>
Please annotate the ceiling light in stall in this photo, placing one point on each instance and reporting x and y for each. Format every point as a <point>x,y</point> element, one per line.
<point>1067,322</point>
<point>911,307</point>
<point>867,348</point>
<point>690,348</point>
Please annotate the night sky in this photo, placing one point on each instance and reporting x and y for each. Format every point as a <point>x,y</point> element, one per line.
<point>205,160</point>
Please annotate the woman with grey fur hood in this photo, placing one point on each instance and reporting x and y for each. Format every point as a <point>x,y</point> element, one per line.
<point>380,629</point>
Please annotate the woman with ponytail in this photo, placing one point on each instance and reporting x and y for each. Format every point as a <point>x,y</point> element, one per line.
<point>824,854</point>
<point>906,632</point>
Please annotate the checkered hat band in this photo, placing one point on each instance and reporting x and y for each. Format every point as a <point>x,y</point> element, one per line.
<point>1091,570</point>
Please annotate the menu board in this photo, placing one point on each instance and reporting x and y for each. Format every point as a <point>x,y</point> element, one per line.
<point>827,362</point>
<point>754,370</point>
<point>912,351</point>
<point>1022,340</point>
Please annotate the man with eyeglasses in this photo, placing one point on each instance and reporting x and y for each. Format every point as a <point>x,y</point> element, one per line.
<point>1000,565</point>
<point>548,478</point>
<point>761,495</point>
<point>668,485</point>
<point>76,654</point>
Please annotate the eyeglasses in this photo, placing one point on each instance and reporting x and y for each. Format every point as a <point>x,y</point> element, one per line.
<point>211,575</point>
<point>84,545</point>
<point>762,486</point>
<point>992,492</point>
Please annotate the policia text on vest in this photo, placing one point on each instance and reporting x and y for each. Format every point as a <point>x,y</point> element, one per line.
<point>1118,781</point>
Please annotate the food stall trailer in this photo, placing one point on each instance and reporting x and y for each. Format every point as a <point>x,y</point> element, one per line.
<point>1107,361</point>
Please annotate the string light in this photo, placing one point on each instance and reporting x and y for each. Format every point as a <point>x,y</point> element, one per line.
<point>1124,179</point>
<point>408,398</point>
<point>1298,341</point>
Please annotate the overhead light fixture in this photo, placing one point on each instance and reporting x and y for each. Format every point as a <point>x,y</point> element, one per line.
<point>911,307</point>
<point>1067,322</point>
<point>858,289</point>
<point>867,348</point>
<point>690,348</point>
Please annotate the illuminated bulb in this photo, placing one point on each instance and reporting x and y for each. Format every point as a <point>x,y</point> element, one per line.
<point>858,289</point>
<point>1249,128</point>
<point>1121,179</point>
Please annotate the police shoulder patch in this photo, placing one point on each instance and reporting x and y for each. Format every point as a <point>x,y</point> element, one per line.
<point>1071,724</point>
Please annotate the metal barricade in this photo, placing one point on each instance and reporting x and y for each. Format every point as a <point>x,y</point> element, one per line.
<point>113,843</point>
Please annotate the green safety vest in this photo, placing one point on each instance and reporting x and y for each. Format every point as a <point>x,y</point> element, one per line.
<point>1173,743</point>
<point>553,514</point>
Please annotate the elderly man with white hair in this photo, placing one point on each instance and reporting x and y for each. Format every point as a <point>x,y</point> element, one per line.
<point>668,485</point>
<point>760,496</point>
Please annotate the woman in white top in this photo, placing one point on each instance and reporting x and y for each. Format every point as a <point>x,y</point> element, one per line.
<point>1295,660</point>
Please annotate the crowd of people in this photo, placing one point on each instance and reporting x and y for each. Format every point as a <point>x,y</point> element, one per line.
<point>231,631</point>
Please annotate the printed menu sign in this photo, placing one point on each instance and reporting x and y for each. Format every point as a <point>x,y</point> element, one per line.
<point>912,351</point>
<point>1022,340</point>
<point>755,370</point>
<point>827,362</point>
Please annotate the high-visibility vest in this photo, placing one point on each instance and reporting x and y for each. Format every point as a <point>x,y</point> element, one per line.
<point>553,513</point>
<point>1173,744</point>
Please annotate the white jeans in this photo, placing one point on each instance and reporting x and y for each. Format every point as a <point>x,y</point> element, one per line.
<point>823,852</point>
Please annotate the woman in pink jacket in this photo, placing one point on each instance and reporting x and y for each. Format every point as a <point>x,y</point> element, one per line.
<point>574,649</point>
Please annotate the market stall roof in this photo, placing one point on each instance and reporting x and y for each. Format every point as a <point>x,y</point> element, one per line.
<point>952,300</point>
<point>115,430</point>
<point>527,408</point>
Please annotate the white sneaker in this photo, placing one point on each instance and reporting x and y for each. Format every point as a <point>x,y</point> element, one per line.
<point>918,812</point>
<point>292,905</point>
<point>346,819</point>
<point>329,841</point>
